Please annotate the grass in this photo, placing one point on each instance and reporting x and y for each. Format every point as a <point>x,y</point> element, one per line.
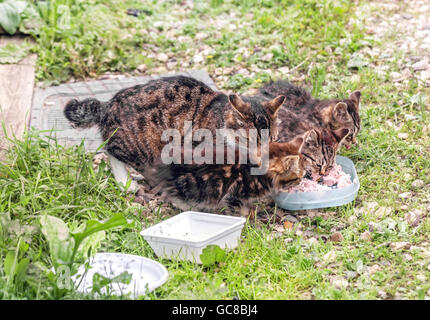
<point>315,41</point>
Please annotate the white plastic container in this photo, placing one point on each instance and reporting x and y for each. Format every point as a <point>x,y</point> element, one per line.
<point>185,236</point>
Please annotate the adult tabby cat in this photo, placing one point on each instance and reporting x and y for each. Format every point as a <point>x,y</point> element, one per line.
<point>134,119</point>
<point>332,114</point>
<point>229,187</point>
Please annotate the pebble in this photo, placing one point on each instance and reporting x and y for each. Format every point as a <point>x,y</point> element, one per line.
<point>417,183</point>
<point>403,135</point>
<point>421,65</point>
<point>339,283</point>
<point>162,57</point>
<point>407,257</point>
<point>330,257</point>
<point>336,237</point>
<point>405,195</point>
<point>400,245</point>
<point>373,269</point>
<point>142,67</point>
<point>366,236</point>
<point>352,219</point>
<point>382,294</point>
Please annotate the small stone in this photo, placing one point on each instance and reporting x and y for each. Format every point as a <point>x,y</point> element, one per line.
<point>404,207</point>
<point>298,232</point>
<point>352,220</point>
<point>421,65</point>
<point>142,67</point>
<point>371,226</point>
<point>162,57</point>
<point>400,245</point>
<point>339,283</point>
<point>312,241</point>
<point>421,277</point>
<point>284,70</point>
<point>243,72</point>
<point>417,184</point>
<point>373,269</point>
<point>351,274</point>
<point>407,257</point>
<point>330,257</point>
<point>267,57</point>
<point>291,218</point>
<point>410,217</point>
<point>383,211</point>
<point>403,135</point>
<point>405,195</point>
<point>198,58</point>
<point>366,236</point>
<point>288,240</point>
<point>288,225</point>
<point>201,35</point>
<point>336,237</point>
<point>382,294</point>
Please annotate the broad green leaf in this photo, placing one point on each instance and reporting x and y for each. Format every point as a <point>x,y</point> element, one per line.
<point>60,243</point>
<point>93,226</point>
<point>10,15</point>
<point>9,263</point>
<point>212,254</point>
<point>21,269</point>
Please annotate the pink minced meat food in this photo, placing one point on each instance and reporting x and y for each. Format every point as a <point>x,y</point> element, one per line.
<point>335,178</point>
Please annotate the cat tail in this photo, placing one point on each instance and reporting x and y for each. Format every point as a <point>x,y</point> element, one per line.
<point>85,113</point>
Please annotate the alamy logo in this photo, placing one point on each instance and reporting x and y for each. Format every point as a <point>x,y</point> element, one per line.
<point>228,143</point>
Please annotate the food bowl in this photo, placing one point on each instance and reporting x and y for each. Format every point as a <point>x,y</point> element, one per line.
<point>184,236</point>
<point>322,199</point>
<point>147,274</point>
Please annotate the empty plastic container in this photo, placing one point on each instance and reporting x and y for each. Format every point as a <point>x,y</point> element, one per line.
<point>184,236</point>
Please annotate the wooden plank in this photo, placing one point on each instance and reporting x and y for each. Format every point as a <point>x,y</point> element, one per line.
<point>16,92</point>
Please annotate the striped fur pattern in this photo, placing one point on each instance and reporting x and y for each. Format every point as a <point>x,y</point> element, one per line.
<point>229,188</point>
<point>134,119</point>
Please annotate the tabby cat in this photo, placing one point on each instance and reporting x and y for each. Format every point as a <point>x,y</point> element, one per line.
<point>134,119</point>
<point>332,114</point>
<point>321,145</point>
<point>229,187</point>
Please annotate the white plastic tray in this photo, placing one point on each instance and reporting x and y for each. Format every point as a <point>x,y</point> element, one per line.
<point>147,274</point>
<point>184,236</point>
<point>323,199</point>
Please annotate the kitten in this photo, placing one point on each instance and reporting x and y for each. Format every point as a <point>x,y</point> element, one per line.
<point>229,187</point>
<point>331,114</point>
<point>133,121</point>
<point>321,145</point>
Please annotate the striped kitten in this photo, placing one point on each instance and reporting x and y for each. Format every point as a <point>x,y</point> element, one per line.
<point>331,114</point>
<point>229,187</point>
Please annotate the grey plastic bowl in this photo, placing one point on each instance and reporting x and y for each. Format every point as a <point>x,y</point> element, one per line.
<point>322,199</point>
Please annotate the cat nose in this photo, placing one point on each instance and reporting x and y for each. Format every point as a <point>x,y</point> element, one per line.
<point>354,140</point>
<point>322,171</point>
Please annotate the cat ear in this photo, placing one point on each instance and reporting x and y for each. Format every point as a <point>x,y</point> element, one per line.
<point>340,109</point>
<point>341,134</point>
<point>291,163</point>
<point>355,96</point>
<point>273,106</point>
<point>298,142</point>
<point>311,137</point>
<point>239,105</point>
